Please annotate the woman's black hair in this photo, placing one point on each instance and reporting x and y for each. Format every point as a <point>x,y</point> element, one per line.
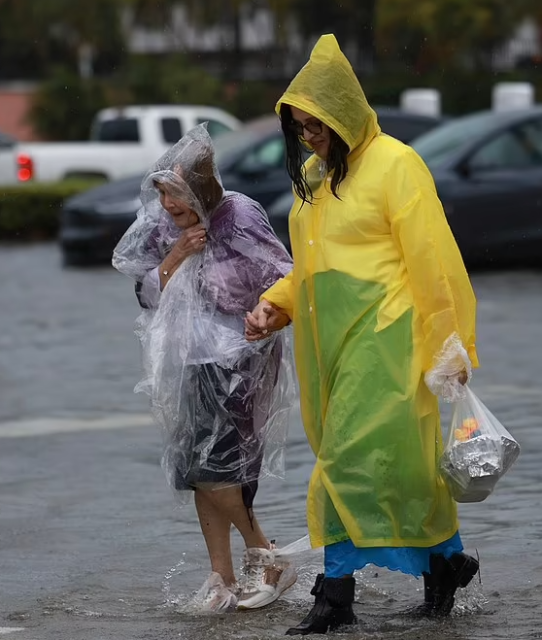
<point>336,161</point>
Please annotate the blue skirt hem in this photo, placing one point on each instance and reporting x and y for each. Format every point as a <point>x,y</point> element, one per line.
<point>343,558</point>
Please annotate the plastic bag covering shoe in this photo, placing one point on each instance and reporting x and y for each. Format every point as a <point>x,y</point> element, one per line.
<point>215,596</point>
<point>378,287</point>
<point>267,577</point>
<point>478,452</point>
<point>222,402</point>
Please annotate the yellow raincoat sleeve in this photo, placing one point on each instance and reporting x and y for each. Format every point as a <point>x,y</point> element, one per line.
<point>281,294</point>
<point>440,284</point>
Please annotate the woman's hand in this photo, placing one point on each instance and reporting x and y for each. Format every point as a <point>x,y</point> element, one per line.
<point>192,241</point>
<point>263,320</point>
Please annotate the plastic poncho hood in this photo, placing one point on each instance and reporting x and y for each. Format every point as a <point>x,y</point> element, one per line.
<point>328,89</point>
<point>222,402</point>
<point>188,171</point>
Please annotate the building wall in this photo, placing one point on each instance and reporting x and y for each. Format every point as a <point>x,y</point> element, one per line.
<point>15,103</point>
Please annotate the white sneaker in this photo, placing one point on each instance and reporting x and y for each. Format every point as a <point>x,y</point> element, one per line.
<point>215,596</point>
<point>267,577</point>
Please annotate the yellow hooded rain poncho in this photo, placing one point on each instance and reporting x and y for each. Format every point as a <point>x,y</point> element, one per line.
<point>378,286</point>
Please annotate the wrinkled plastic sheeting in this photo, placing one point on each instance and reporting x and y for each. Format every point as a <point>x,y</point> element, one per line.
<point>222,402</point>
<point>443,378</point>
<point>296,548</point>
<point>479,451</point>
<point>189,171</point>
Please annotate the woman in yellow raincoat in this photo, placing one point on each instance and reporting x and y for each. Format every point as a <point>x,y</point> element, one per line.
<point>384,321</point>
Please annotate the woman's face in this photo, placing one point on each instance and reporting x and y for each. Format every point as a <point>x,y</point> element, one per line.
<point>316,133</point>
<point>182,215</point>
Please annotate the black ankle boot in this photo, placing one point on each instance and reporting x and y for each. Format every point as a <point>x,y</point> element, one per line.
<point>441,584</point>
<point>425,609</point>
<point>448,576</point>
<point>333,598</point>
<point>466,567</point>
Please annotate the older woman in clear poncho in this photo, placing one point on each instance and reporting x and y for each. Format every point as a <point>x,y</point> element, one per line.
<point>201,257</point>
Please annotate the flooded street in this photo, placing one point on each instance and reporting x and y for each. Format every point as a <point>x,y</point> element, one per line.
<point>92,545</point>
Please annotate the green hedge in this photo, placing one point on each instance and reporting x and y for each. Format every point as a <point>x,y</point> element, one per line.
<point>32,211</point>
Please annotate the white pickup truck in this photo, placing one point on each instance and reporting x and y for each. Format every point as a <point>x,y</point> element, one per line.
<point>123,142</point>
<point>8,164</point>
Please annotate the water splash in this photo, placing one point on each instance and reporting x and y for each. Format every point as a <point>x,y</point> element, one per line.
<point>169,599</point>
<point>471,599</point>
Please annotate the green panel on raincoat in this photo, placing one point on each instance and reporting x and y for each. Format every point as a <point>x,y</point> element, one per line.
<point>376,456</point>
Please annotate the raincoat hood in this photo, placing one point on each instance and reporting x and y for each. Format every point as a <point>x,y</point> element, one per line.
<point>328,89</point>
<point>188,169</point>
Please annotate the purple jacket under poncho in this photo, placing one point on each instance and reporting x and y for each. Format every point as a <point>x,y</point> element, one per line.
<point>243,257</point>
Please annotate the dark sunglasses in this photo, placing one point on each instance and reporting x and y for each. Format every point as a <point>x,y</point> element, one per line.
<point>312,126</point>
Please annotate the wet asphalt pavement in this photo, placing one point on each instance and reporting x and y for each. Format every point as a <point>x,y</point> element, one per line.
<point>92,545</point>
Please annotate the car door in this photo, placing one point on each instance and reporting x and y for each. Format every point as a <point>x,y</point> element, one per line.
<point>497,203</point>
<point>261,173</point>
<point>404,127</point>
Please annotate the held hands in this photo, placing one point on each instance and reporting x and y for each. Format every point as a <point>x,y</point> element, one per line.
<point>264,319</point>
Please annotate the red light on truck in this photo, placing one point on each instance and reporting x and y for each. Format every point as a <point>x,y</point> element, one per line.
<point>25,170</point>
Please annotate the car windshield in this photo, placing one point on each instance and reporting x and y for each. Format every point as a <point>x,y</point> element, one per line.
<point>437,145</point>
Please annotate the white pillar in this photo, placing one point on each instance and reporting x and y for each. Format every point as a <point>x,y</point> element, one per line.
<point>423,101</point>
<point>508,96</point>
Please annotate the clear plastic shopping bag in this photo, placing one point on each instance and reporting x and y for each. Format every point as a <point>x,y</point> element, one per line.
<point>478,452</point>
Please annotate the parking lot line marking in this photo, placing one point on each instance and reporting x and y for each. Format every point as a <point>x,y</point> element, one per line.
<point>5,630</point>
<point>49,426</point>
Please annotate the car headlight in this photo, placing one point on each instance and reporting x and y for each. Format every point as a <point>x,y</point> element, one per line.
<point>119,207</point>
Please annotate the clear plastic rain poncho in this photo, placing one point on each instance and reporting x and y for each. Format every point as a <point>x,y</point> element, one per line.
<point>222,402</point>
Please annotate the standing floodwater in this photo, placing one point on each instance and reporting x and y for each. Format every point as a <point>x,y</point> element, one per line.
<point>88,531</point>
